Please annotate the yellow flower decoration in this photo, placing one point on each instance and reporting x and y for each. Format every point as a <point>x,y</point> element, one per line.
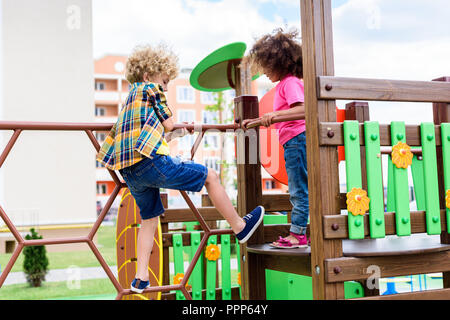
<point>212,252</point>
<point>239,278</point>
<point>357,201</point>
<point>401,155</point>
<point>447,199</point>
<point>178,278</point>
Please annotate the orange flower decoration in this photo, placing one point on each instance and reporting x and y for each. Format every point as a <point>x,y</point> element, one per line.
<point>239,278</point>
<point>401,155</point>
<point>212,252</point>
<point>357,201</point>
<point>447,198</point>
<point>178,278</point>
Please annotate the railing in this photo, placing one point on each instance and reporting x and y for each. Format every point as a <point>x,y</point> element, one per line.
<point>89,128</point>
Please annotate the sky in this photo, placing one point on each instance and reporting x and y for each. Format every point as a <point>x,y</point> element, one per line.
<point>388,39</point>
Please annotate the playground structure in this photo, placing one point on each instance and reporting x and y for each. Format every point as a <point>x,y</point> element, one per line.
<point>343,247</point>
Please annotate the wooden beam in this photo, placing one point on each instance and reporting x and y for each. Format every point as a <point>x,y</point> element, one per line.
<point>270,202</point>
<point>323,182</point>
<point>438,294</point>
<point>441,113</point>
<point>336,226</point>
<point>382,90</point>
<point>249,195</point>
<point>351,268</point>
<point>331,134</point>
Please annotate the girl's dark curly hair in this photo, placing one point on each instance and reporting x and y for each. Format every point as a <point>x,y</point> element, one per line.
<point>278,52</point>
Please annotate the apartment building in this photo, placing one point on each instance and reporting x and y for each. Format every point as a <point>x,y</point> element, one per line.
<point>187,105</point>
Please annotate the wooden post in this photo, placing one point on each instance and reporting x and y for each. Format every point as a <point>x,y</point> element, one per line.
<point>323,182</point>
<point>249,195</point>
<point>441,113</point>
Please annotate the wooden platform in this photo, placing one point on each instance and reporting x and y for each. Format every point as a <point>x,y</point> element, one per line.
<point>390,246</point>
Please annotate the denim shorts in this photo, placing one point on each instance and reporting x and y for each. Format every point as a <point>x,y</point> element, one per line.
<point>148,175</point>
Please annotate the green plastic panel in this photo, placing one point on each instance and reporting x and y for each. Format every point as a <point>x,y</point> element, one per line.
<point>275,219</point>
<point>178,261</point>
<point>211,270</point>
<point>196,279</point>
<point>289,286</point>
<point>238,257</point>
<point>353,174</point>
<point>401,185</point>
<point>433,212</point>
<point>390,201</point>
<point>225,254</point>
<point>445,133</point>
<point>374,179</point>
<point>419,188</point>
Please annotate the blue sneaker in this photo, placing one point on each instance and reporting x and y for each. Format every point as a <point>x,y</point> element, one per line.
<point>252,221</point>
<point>138,285</point>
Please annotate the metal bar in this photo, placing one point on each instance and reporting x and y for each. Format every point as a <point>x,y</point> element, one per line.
<point>195,211</point>
<point>43,242</point>
<point>9,146</point>
<point>105,266</point>
<point>10,264</point>
<point>11,226</point>
<point>197,144</point>
<point>104,212</point>
<point>93,139</point>
<point>257,122</point>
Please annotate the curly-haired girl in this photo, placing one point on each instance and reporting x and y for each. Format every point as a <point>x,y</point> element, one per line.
<point>279,56</point>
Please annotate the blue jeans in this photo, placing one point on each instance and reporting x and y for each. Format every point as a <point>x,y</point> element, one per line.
<point>148,175</point>
<point>295,158</point>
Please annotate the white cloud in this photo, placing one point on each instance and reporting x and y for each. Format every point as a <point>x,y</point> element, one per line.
<point>193,28</point>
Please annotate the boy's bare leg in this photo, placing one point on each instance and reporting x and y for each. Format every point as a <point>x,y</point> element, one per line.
<point>222,202</point>
<point>144,246</point>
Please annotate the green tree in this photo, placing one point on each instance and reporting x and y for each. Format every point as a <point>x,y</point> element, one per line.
<point>35,261</point>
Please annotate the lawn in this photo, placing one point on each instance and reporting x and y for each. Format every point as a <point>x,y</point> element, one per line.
<point>60,260</point>
<point>59,290</point>
<point>87,289</point>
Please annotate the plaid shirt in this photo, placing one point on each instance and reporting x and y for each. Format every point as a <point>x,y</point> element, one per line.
<point>138,132</point>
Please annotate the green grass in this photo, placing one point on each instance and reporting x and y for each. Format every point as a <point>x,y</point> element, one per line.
<point>98,288</point>
<point>106,244</point>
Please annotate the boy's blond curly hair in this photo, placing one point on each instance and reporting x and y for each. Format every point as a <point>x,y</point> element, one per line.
<point>153,60</point>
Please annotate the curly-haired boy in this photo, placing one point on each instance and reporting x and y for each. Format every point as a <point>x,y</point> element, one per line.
<point>137,147</point>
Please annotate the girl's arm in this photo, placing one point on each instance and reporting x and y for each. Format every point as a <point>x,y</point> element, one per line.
<point>295,108</point>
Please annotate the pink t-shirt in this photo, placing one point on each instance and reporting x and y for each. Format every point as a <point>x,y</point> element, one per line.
<point>288,91</point>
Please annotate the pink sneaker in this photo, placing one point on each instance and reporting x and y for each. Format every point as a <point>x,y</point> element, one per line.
<point>284,243</point>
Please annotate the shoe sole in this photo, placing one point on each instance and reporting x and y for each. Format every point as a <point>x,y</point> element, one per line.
<point>138,290</point>
<point>295,246</point>
<point>254,228</point>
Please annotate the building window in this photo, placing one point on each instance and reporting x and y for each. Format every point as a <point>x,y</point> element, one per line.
<point>100,112</point>
<point>100,136</point>
<point>186,116</point>
<point>186,142</point>
<point>99,85</point>
<point>212,163</point>
<point>101,188</point>
<point>270,184</point>
<point>211,142</point>
<point>207,98</point>
<point>210,117</point>
<point>185,94</point>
